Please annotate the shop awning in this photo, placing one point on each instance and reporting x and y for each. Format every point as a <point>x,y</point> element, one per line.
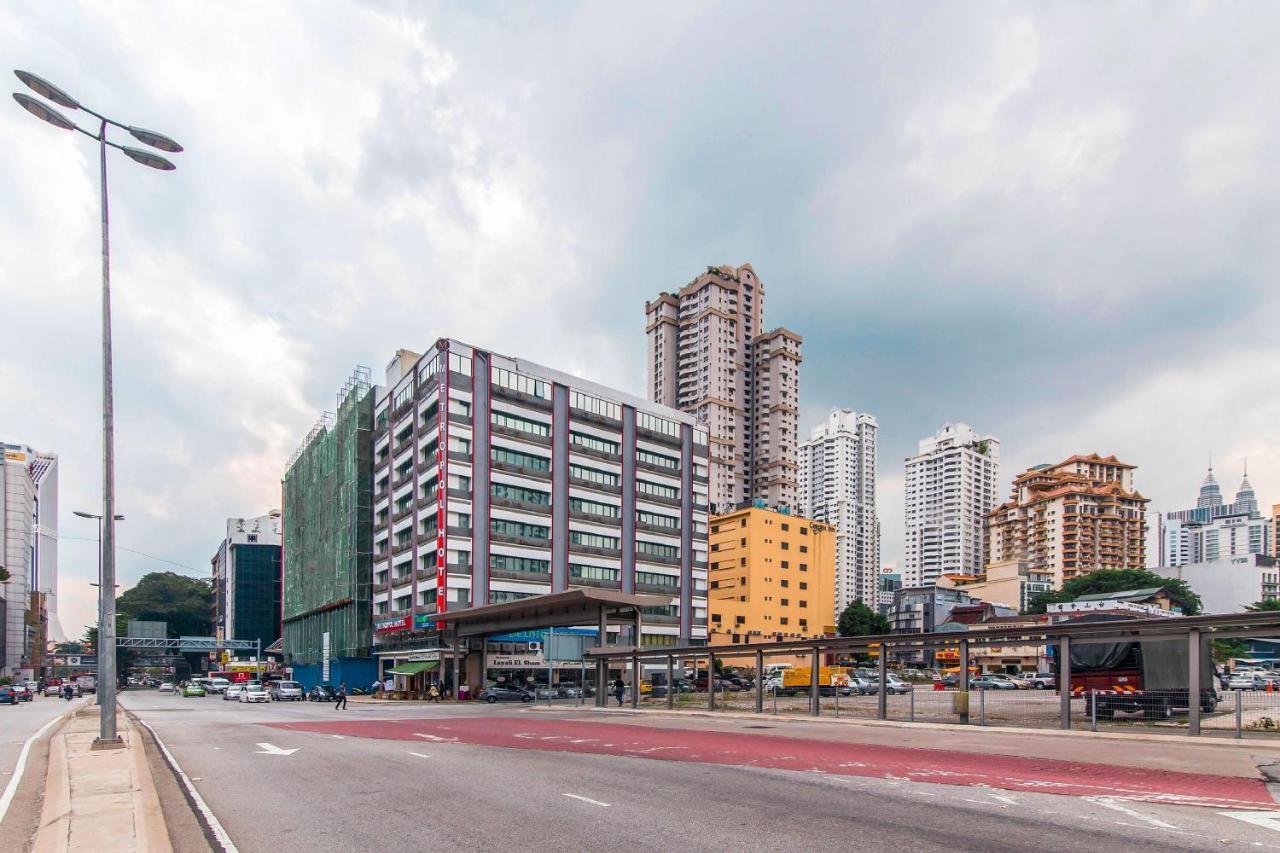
<point>414,667</point>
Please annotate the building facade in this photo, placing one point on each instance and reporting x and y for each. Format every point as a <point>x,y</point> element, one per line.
<point>771,577</point>
<point>328,549</point>
<point>247,580</point>
<point>838,487</point>
<point>1229,584</point>
<point>710,356</point>
<point>496,479</point>
<point>1010,583</point>
<point>29,553</point>
<point>951,484</point>
<point>1069,519</point>
<point>1215,530</point>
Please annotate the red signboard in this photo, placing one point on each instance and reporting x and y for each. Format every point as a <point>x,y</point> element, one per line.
<point>442,497</point>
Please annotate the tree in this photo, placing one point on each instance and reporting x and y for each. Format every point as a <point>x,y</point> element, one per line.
<point>1118,580</point>
<point>4,574</point>
<point>185,603</point>
<point>859,620</point>
<point>69,648</point>
<point>1225,650</point>
<point>1267,604</point>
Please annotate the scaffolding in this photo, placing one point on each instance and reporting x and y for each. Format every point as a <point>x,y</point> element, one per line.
<point>328,532</point>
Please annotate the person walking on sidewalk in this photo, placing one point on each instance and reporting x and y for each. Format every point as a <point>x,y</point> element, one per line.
<point>342,696</point>
<point>434,693</point>
<point>619,690</point>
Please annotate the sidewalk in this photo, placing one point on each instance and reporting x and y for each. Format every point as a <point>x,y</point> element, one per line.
<point>99,800</point>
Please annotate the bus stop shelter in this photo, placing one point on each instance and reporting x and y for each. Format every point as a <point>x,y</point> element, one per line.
<point>578,607</point>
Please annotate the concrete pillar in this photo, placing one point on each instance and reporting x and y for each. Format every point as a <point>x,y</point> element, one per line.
<point>759,681</point>
<point>815,665</point>
<point>1193,682</point>
<point>882,673</point>
<point>1064,680</point>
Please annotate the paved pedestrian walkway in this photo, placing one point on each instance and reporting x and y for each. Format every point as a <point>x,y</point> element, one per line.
<point>99,800</point>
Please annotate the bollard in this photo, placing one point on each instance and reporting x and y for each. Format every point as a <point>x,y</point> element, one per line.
<point>982,707</point>
<point>1239,713</point>
<point>775,700</point>
<point>837,700</point>
<point>1093,711</point>
<point>911,712</point>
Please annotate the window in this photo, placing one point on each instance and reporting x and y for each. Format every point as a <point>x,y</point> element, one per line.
<point>804,603</point>
<point>593,540</point>
<point>506,491</point>
<point>655,549</point>
<point>594,507</point>
<point>786,602</point>
<point>594,442</point>
<point>786,583</point>
<point>786,526</point>
<point>658,639</point>
<point>786,546</point>
<point>657,579</point>
<point>507,563</point>
<point>459,364</point>
<point>655,519</point>
<point>659,490</point>
<point>402,396</point>
<point>783,620</point>
<point>520,424</point>
<point>804,549</point>
<point>786,564</point>
<point>521,460</point>
<point>644,420</point>
<point>593,475</point>
<point>804,585</point>
<point>520,383</point>
<point>804,567</point>
<point>502,596</point>
<point>506,527</point>
<point>659,459</point>
<point>596,573</point>
<point>595,405</point>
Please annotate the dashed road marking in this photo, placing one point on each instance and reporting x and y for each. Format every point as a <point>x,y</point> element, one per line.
<point>1109,803</point>
<point>586,800</point>
<point>419,755</point>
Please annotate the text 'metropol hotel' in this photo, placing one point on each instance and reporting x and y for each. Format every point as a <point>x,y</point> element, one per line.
<point>546,482</point>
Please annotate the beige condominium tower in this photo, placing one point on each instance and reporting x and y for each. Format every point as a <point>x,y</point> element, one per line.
<point>710,356</point>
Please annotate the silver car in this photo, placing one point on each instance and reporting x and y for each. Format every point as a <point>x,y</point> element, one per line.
<point>287,691</point>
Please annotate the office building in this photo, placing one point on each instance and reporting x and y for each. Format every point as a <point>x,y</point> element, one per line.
<point>890,582</point>
<point>1229,584</point>
<point>247,580</point>
<point>772,577</point>
<point>328,541</point>
<point>29,553</point>
<point>838,487</point>
<point>497,479</point>
<point>1214,530</point>
<point>1072,518</point>
<point>950,486</point>
<point>710,356</point>
<point>1010,583</point>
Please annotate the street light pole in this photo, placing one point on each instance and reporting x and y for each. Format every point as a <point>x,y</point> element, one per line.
<point>107,735</point>
<point>101,599</point>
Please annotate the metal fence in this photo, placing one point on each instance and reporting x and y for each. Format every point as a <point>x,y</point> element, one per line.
<point>677,679</point>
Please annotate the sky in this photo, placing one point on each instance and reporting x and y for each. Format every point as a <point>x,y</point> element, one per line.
<point>1054,221</point>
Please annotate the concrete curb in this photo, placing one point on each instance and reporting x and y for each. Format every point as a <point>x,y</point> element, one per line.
<point>1182,740</point>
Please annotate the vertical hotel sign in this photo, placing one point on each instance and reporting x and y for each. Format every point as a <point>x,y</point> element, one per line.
<point>442,496</point>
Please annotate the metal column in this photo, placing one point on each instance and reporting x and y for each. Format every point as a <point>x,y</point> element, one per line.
<point>759,681</point>
<point>602,665</point>
<point>814,697</point>
<point>1193,682</point>
<point>711,681</point>
<point>484,661</point>
<point>671,686</point>
<point>635,678</point>
<point>882,696</point>
<point>962,683</point>
<point>1064,680</point>
<point>457,676</point>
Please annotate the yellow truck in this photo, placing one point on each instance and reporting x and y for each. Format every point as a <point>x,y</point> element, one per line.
<point>799,679</point>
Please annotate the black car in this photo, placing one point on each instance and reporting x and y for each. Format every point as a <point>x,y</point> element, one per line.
<point>505,694</point>
<point>322,693</point>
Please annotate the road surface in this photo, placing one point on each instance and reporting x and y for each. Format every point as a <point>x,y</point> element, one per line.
<point>285,777</point>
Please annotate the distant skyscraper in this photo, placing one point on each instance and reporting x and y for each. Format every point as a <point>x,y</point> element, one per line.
<point>1215,530</point>
<point>247,580</point>
<point>949,489</point>
<point>709,356</point>
<point>838,486</point>
<point>28,552</point>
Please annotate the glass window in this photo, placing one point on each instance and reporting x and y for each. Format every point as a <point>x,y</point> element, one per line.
<point>520,383</point>
<point>644,420</point>
<point>593,540</point>
<point>520,424</point>
<point>519,493</point>
<point>658,490</point>
<point>656,519</point>
<point>594,442</point>
<point>522,460</point>
<point>595,405</point>
<point>594,475</point>
<point>458,364</point>
<point>507,563</point>
<point>598,573</point>
<point>656,579</point>
<point>656,549</point>
<point>594,507</point>
<point>506,527</point>
<point>658,459</point>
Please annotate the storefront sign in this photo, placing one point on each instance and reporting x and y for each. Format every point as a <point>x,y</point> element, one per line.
<point>442,495</point>
<point>519,660</point>
<point>401,624</point>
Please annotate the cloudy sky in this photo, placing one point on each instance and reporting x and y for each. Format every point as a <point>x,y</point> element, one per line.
<point>1056,221</point>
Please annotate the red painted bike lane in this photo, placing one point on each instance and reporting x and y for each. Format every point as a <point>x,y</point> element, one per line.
<point>1012,773</point>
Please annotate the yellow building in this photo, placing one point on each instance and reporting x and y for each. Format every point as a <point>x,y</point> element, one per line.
<point>772,577</point>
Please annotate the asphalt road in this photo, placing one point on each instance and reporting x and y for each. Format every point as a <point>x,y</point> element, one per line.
<point>21,721</point>
<point>20,795</point>
<point>278,789</point>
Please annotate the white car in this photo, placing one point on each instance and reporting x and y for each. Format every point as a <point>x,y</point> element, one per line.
<point>254,693</point>
<point>232,692</point>
<point>166,687</point>
<point>1246,681</point>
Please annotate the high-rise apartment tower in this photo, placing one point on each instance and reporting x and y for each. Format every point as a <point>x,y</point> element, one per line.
<point>710,356</point>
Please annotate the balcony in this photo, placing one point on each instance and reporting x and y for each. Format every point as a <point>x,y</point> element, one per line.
<point>381,587</point>
<point>402,547</point>
<point>591,549</point>
<point>530,541</point>
<point>532,577</point>
<point>511,468</point>
<point>521,435</point>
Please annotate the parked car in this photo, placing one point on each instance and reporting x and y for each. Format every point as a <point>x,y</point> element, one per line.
<point>215,685</point>
<point>232,693</point>
<point>1018,683</point>
<point>8,696</point>
<point>193,689</point>
<point>33,687</point>
<point>505,694</point>
<point>23,694</point>
<point>166,687</point>
<point>1246,681</point>
<point>254,692</point>
<point>893,684</point>
<point>1044,681</point>
<point>286,691</point>
<point>322,693</point>
<point>990,682</point>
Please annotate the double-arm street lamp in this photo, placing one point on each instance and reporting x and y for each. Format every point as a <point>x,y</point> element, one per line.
<point>107,736</point>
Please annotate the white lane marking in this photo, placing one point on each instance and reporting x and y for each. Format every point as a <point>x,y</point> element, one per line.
<point>1109,803</point>
<point>219,832</point>
<point>419,754</point>
<point>1000,797</point>
<point>272,749</point>
<point>12,788</point>
<point>339,737</point>
<point>585,800</point>
<point>1266,820</point>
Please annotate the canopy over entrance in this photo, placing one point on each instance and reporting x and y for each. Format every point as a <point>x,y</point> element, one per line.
<point>414,667</point>
<point>579,606</point>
